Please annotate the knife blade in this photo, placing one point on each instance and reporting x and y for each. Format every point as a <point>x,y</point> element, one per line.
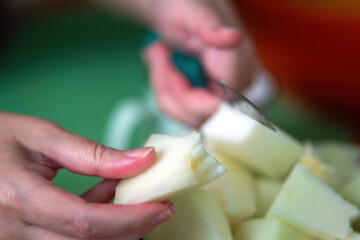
<point>238,101</point>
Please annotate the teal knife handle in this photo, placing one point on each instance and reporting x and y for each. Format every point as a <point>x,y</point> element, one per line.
<point>190,66</point>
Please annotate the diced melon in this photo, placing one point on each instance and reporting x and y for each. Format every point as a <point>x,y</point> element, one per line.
<point>270,153</point>
<point>311,160</point>
<point>199,216</point>
<point>343,156</point>
<point>353,236</point>
<point>181,163</point>
<point>351,190</point>
<point>235,189</point>
<point>267,190</point>
<point>312,206</point>
<point>268,229</point>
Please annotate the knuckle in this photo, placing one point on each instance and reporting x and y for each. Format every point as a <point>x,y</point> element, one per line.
<point>48,126</point>
<point>80,227</point>
<point>98,153</point>
<point>93,153</point>
<point>9,197</point>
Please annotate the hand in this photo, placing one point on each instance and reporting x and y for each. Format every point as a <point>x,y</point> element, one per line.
<point>210,30</point>
<point>32,150</point>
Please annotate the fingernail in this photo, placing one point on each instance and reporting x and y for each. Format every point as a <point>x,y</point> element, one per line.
<point>138,152</point>
<point>162,217</point>
<point>228,30</point>
<point>171,206</point>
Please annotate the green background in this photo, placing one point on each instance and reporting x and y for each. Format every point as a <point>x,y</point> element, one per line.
<point>73,66</point>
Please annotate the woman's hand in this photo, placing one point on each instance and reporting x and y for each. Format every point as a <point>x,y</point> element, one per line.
<point>208,29</point>
<point>32,150</point>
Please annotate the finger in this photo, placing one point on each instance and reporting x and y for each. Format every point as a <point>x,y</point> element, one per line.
<point>38,233</point>
<point>103,192</point>
<point>42,204</point>
<point>196,102</point>
<point>221,36</point>
<point>208,24</point>
<point>82,155</point>
<point>162,74</point>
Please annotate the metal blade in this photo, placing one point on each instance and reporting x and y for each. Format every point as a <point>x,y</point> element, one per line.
<point>239,101</point>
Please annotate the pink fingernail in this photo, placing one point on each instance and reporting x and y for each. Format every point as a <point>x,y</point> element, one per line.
<point>171,206</point>
<point>138,152</point>
<point>228,30</point>
<point>162,217</point>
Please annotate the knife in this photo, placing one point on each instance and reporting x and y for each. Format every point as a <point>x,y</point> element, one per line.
<point>191,67</point>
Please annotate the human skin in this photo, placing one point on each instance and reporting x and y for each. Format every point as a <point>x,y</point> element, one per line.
<point>208,29</point>
<point>32,150</point>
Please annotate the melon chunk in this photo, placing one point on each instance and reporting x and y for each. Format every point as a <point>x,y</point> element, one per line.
<point>199,216</point>
<point>351,190</point>
<point>181,163</point>
<point>344,157</point>
<point>267,152</point>
<point>267,190</point>
<point>313,162</point>
<point>268,229</point>
<point>312,206</point>
<point>235,189</point>
<point>353,236</point>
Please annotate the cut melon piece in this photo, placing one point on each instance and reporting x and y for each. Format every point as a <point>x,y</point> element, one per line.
<point>351,190</point>
<point>353,236</point>
<point>267,190</point>
<point>199,216</point>
<point>235,189</point>
<point>312,161</point>
<point>181,163</point>
<point>343,156</point>
<point>269,229</point>
<point>312,206</point>
<point>267,152</point>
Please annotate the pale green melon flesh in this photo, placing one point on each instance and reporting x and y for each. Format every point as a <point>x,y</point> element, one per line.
<point>351,190</point>
<point>310,205</point>
<point>267,190</point>
<point>270,153</point>
<point>235,189</point>
<point>344,157</point>
<point>269,229</point>
<point>313,161</point>
<point>181,163</point>
<point>199,216</point>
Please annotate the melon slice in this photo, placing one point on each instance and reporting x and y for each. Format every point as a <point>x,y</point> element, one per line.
<point>312,206</point>
<point>181,163</point>
<point>235,189</point>
<point>199,216</point>
<point>353,236</point>
<point>351,190</point>
<point>270,153</point>
<point>343,156</point>
<point>313,162</point>
<point>269,229</point>
<point>267,190</point>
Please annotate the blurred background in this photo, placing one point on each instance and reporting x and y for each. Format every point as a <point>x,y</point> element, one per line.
<point>74,65</point>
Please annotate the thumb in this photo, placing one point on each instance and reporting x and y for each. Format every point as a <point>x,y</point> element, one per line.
<point>84,156</point>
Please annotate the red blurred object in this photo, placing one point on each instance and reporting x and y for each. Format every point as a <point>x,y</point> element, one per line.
<point>313,50</point>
